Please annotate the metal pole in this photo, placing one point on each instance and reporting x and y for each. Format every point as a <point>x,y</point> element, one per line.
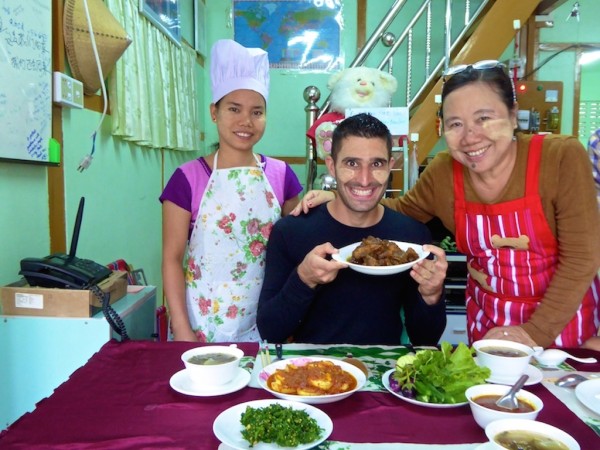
<point>448,37</point>
<point>312,94</point>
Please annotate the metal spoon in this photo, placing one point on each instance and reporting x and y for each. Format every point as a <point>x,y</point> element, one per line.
<point>570,380</point>
<point>509,401</point>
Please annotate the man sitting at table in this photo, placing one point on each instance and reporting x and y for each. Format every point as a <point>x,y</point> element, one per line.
<point>308,297</point>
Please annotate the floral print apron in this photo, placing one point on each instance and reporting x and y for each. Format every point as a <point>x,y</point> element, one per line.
<point>225,258</point>
<point>512,257</point>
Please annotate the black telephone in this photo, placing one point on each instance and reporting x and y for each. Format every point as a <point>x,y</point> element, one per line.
<point>69,272</point>
<point>64,271</point>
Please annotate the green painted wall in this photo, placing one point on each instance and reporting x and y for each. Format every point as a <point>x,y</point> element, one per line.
<point>563,66</point>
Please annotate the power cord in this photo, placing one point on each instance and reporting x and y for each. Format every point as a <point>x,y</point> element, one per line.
<point>112,317</point>
<point>87,159</point>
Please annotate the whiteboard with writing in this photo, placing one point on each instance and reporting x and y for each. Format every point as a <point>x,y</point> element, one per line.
<point>25,79</point>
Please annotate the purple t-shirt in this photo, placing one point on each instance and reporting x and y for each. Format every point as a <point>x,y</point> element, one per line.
<point>186,186</point>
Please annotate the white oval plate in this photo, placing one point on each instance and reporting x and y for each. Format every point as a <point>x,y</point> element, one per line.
<point>182,383</point>
<point>346,253</point>
<point>535,376</point>
<point>361,379</point>
<point>385,379</point>
<point>588,393</point>
<point>228,428</point>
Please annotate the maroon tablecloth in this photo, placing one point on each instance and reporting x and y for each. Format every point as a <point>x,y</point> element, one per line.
<point>121,399</point>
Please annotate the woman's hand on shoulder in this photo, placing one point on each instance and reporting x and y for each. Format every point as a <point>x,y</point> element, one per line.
<point>311,199</point>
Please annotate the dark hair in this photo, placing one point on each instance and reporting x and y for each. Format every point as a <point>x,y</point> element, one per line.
<point>495,77</point>
<point>361,125</point>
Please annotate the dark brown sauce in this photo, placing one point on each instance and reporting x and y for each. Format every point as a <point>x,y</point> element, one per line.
<point>489,402</point>
<point>503,351</point>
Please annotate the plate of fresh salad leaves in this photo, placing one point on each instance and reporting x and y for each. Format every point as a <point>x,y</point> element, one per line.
<point>436,378</point>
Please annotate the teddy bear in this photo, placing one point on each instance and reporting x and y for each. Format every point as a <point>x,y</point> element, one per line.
<point>355,87</point>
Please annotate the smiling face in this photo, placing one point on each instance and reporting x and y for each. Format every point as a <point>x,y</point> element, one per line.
<point>241,119</point>
<point>361,169</point>
<point>479,128</point>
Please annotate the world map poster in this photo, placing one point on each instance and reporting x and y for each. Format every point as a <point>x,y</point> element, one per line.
<point>297,34</point>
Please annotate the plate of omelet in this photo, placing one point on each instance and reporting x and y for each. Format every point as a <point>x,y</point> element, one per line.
<point>311,379</point>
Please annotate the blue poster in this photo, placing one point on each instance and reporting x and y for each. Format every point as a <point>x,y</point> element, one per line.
<point>297,34</point>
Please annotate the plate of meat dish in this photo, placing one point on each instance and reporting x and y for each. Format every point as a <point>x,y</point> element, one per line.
<point>374,256</point>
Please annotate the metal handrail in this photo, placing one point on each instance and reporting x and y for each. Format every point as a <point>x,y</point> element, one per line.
<point>450,49</point>
<point>370,44</point>
<point>314,112</point>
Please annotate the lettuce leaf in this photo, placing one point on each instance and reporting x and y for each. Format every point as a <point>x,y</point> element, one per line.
<point>442,376</point>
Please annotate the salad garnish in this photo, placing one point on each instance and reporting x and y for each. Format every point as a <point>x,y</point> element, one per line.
<point>438,376</point>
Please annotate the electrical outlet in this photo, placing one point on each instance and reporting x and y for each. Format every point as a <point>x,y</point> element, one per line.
<point>78,94</point>
<point>68,91</point>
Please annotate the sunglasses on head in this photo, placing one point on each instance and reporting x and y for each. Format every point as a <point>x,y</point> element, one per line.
<point>486,64</point>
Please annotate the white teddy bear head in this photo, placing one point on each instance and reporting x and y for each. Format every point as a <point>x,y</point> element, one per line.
<point>355,87</point>
<point>361,87</point>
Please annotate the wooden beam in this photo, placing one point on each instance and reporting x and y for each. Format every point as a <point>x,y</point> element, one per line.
<point>56,178</point>
<point>361,25</point>
<point>547,6</point>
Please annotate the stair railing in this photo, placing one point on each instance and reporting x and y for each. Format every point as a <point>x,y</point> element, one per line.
<point>380,34</point>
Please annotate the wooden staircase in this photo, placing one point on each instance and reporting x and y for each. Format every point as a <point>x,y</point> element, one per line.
<point>487,37</point>
<point>492,35</point>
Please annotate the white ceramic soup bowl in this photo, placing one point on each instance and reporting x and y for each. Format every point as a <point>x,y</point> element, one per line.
<point>495,428</point>
<point>507,360</point>
<point>484,415</point>
<point>212,365</point>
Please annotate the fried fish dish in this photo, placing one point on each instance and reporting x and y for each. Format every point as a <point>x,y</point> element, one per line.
<point>380,252</point>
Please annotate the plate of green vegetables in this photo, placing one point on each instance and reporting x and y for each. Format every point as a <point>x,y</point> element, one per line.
<point>435,378</point>
<point>272,424</point>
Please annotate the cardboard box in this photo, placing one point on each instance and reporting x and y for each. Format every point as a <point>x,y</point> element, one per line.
<point>20,299</point>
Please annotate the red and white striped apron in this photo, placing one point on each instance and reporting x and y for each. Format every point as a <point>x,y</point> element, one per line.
<point>512,255</point>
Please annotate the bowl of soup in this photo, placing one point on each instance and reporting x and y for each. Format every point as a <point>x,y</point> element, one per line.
<point>482,401</point>
<point>212,365</point>
<point>531,434</point>
<point>507,360</point>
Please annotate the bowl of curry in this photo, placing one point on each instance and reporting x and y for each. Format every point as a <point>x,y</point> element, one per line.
<point>312,379</point>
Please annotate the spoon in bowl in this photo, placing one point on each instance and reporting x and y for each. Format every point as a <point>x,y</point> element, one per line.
<point>554,357</point>
<point>508,400</point>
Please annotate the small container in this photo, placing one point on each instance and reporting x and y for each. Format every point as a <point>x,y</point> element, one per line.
<point>505,369</point>
<point>483,416</point>
<point>213,374</point>
<point>498,426</point>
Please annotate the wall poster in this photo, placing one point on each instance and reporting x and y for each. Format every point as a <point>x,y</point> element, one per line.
<point>297,34</point>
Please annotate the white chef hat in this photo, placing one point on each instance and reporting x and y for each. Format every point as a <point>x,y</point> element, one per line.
<point>233,66</point>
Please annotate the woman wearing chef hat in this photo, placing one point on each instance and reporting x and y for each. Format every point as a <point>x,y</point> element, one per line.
<point>218,210</point>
